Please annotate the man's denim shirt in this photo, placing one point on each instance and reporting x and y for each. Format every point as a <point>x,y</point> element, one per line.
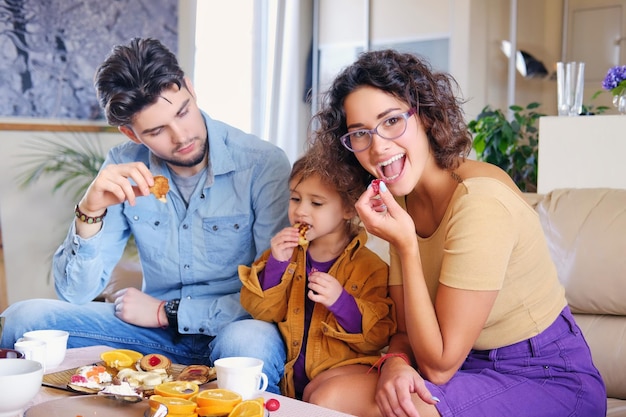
<point>191,253</point>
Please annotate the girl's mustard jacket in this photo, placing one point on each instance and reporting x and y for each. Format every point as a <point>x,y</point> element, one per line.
<point>363,275</point>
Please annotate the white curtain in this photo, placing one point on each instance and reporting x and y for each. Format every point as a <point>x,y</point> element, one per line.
<point>284,116</point>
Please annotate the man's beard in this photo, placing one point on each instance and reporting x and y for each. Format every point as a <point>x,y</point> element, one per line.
<point>192,162</point>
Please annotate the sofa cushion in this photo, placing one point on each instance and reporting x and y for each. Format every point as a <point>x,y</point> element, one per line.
<point>586,234</point>
<point>606,336</point>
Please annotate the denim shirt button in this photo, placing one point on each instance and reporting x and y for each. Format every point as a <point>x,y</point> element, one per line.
<point>157,223</point>
<point>186,329</point>
<point>202,195</point>
<point>214,228</point>
<point>186,266</point>
<point>135,217</point>
<point>236,226</point>
<point>201,330</point>
<point>185,226</point>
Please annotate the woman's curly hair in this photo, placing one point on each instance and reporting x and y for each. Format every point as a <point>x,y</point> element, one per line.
<point>411,80</point>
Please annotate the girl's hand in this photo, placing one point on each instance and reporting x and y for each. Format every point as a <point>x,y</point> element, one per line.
<point>396,384</point>
<point>383,217</point>
<point>324,288</point>
<point>283,243</point>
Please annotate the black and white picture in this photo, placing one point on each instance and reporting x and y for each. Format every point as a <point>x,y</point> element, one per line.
<point>49,50</point>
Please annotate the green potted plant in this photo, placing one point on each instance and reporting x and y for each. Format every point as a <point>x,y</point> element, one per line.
<point>510,144</point>
<point>73,164</point>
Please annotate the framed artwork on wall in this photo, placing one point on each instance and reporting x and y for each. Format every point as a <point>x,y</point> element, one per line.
<point>49,50</point>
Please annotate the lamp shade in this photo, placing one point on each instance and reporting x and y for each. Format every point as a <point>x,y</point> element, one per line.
<point>527,65</point>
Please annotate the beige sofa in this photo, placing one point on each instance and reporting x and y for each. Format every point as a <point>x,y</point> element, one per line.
<point>586,234</point>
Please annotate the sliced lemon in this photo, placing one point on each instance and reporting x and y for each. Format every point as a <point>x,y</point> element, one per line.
<point>133,354</point>
<point>116,359</point>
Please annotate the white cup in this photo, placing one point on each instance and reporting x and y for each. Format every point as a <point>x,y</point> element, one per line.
<point>241,374</point>
<point>34,350</point>
<point>56,345</point>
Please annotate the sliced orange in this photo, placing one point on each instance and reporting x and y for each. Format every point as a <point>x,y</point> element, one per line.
<point>214,411</point>
<point>221,409</point>
<point>174,405</point>
<point>218,397</point>
<point>153,410</point>
<point>179,389</point>
<point>248,408</point>
<point>116,359</point>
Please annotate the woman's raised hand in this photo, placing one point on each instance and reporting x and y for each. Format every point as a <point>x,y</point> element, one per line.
<point>383,217</point>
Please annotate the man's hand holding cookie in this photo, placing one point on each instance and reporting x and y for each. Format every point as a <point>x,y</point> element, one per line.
<point>114,185</point>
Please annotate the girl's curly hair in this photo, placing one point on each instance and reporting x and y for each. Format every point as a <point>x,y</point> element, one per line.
<point>347,180</point>
<point>411,80</point>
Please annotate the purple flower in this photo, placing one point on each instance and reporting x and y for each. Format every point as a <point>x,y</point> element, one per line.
<point>614,77</point>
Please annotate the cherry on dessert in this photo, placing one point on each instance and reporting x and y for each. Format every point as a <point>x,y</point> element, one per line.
<point>154,361</point>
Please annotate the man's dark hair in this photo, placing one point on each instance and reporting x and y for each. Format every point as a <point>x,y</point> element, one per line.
<point>133,76</point>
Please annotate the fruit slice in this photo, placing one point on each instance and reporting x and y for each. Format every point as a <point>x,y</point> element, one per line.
<point>215,397</point>
<point>179,389</point>
<point>116,359</point>
<point>248,408</point>
<point>174,405</point>
<point>133,354</point>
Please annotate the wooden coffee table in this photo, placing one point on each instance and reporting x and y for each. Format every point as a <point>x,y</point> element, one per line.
<point>289,407</point>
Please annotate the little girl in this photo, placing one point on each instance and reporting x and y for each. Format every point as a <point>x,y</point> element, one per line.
<point>328,296</point>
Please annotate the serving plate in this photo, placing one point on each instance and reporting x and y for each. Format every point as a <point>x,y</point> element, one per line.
<point>88,405</point>
<point>61,379</point>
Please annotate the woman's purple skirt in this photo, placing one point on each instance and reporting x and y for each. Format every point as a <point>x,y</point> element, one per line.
<point>549,375</point>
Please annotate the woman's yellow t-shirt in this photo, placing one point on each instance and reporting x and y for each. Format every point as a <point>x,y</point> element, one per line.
<point>491,239</point>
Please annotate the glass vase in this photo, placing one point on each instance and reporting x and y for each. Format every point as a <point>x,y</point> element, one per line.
<point>619,101</point>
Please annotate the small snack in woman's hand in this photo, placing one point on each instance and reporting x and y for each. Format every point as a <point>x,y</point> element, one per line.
<point>160,188</point>
<point>302,229</point>
<point>376,185</point>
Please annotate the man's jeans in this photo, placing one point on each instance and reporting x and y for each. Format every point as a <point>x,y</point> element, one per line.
<point>96,324</point>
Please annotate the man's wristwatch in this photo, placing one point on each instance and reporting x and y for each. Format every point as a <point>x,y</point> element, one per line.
<point>171,311</point>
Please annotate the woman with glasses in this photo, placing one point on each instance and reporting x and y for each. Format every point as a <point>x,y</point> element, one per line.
<point>483,323</point>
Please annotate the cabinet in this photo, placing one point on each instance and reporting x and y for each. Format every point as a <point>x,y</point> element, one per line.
<point>581,152</point>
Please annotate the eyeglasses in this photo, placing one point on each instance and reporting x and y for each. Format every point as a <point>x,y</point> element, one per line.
<point>391,128</point>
